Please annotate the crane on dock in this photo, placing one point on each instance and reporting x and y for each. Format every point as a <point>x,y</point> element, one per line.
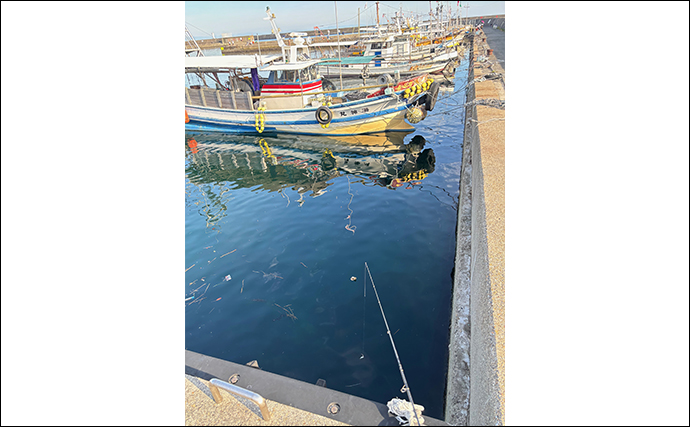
<point>323,37</point>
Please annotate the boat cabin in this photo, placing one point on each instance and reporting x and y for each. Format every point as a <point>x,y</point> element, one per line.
<point>227,82</point>
<point>292,78</point>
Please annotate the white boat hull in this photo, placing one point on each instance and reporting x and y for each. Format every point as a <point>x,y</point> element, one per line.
<point>379,114</point>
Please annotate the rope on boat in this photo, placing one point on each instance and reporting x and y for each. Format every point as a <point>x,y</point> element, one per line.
<point>406,387</point>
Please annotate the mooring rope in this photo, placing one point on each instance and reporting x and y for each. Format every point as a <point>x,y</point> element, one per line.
<point>402,373</point>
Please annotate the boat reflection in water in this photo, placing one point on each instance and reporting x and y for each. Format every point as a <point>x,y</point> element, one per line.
<point>305,164</point>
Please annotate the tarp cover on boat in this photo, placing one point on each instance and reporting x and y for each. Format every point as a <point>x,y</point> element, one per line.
<point>342,43</point>
<point>349,60</point>
<point>229,61</point>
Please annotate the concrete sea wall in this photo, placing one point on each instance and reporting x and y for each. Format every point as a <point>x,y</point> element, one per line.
<point>475,392</point>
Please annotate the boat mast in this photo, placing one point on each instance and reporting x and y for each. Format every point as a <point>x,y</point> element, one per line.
<point>358,32</point>
<point>431,20</point>
<point>337,32</point>
<point>276,31</point>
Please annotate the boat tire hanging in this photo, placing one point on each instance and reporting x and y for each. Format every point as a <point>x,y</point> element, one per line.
<point>327,85</point>
<point>431,96</point>
<point>244,85</point>
<point>385,79</point>
<point>324,115</point>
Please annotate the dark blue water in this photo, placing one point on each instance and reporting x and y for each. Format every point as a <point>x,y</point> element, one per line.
<point>277,226</point>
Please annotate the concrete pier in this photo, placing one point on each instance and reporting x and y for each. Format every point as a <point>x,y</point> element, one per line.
<point>289,401</point>
<point>475,393</point>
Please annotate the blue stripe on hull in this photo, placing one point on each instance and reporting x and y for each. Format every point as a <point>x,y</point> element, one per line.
<point>209,127</point>
<point>237,124</point>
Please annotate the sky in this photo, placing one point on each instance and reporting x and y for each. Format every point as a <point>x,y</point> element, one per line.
<point>206,18</point>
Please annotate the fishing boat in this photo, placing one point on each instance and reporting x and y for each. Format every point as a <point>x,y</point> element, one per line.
<point>402,48</point>
<point>394,54</point>
<point>295,98</point>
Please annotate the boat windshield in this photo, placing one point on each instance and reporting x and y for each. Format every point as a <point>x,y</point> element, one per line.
<point>309,73</point>
<point>285,76</point>
<point>294,76</point>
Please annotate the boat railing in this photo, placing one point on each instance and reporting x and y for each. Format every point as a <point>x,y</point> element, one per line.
<point>232,100</point>
<point>326,92</point>
<point>226,99</point>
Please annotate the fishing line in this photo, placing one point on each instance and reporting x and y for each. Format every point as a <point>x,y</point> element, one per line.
<point>402,373</point>
<point>364,317</point>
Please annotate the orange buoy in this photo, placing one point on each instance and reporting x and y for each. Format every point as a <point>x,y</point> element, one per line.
<point>186,117</point>
<point>192,144</point>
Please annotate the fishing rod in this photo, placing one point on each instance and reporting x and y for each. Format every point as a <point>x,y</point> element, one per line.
<point>402,373</point>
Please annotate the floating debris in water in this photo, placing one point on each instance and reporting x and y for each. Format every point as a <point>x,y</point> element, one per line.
<point>288,312</point>
<point>202,285</point>
<point>228,253</point>
<point>269,276</point>
<point>219,298</point>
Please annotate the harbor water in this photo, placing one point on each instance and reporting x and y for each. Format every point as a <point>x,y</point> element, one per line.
<point>279,228</point>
